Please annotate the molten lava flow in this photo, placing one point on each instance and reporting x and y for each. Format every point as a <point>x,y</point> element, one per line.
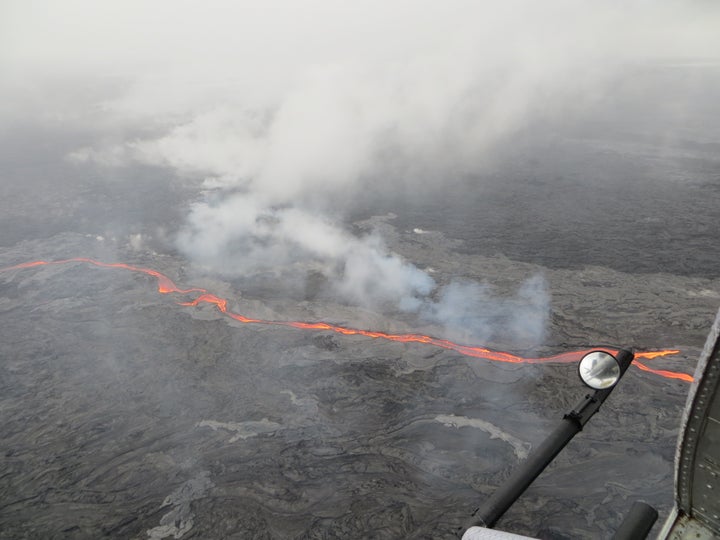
<point>664,373</point>
<point>165,285</point>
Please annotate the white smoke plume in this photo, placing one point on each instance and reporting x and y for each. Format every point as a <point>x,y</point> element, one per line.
<point>473,312</point>
<point>284,106</point>
<point>241,236</point>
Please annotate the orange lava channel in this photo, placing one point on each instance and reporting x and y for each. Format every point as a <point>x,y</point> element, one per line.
<point>165,286</point>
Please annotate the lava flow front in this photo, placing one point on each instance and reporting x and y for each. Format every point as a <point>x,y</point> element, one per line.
<point>165,286</point>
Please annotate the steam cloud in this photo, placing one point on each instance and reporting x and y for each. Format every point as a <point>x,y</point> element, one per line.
<point>282,107</point>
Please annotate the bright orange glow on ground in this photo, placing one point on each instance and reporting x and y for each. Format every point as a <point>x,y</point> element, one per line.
<point>664,373</point>
<point>166,286</point>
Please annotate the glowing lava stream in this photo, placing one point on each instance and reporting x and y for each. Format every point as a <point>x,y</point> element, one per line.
<point>166,285</point>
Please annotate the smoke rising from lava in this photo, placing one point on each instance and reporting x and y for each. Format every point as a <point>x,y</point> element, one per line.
<point>360,269</point>
<point>166,286</point>
<point>470,311</point>
<point>288,110</point>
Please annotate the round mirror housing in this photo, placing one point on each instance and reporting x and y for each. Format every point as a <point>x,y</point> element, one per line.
<point>599,370</point>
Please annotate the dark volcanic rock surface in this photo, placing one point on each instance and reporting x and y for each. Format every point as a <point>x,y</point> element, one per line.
<point>125,414</point>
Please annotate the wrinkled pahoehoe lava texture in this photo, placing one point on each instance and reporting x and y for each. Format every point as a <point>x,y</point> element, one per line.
<point>126,414</point>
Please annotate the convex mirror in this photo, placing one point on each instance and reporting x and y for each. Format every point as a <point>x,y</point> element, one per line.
<point>599,370</point>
